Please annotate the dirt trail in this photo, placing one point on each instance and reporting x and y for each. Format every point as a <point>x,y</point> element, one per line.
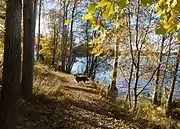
<point>71,106</point>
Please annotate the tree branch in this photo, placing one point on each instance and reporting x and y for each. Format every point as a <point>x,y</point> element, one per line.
<point>147,82</point>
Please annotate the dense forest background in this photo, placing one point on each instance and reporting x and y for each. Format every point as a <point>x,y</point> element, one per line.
<point>137,40</point>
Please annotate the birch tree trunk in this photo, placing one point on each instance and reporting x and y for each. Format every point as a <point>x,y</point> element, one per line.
<point>112,90</point>
<point>170,95</point>
<point>157,89</point>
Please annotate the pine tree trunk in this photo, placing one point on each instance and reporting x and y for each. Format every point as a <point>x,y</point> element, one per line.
<point>28,50</point>
<point>12,65</point>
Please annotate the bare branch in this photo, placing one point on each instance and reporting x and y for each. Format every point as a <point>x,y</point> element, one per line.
<point>147,82</point>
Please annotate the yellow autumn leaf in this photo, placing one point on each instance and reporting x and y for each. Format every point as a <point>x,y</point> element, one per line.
<point>67,22</point>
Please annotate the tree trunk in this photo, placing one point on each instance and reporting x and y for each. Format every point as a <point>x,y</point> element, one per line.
<point>39,29</point>
<point>54,46</point>
<point>71,38</point>
<point>28,50</point>
<point>96,63</point>
<point>64,38</point>
<point>92,61</point>
<point>12,65</point>
<point>87,51</point>
<point>63,58</point>
<point>167,61</point>
<point>113,91</point>
<point>157,89</point>
<point>128,97</point>
<point>170,95</point>
<point>136,80</point>
<point>92,66</point>
<point>138,56</point>
<point>34,16</point>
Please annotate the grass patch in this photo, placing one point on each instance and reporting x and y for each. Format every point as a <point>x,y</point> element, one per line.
<point>147,116</point>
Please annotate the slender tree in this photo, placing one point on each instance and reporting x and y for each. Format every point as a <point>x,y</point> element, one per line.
<point>64,36</point>
<point>28,48</point>
<point>87,50</point>
<point>157,89</point>
<point>170,95</point>
<point>166,63</point>
<point>128,97</point>
<point>138,55</point>
<point>112,90</point>
<point>12,65</point>
<point>54,43</point>
<point>39,29</point>
<point>70,58</point>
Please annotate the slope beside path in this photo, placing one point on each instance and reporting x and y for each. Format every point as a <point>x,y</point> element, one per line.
<point>61,103</point>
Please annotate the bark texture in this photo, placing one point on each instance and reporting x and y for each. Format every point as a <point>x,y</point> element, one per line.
<point>12,65</point>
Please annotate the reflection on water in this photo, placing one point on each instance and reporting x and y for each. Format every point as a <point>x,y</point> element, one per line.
<point>104,74</point>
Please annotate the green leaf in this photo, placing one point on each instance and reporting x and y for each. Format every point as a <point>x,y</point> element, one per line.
<point>92,7</point>
<point>102,31</point>
<point>95,27</point>
<point>146,2</point>
<point>87,16</point>
<point>174,3</point>
<point>108,12</point>
<point>93,20</point>
<point>178,37</point>
<point>166,26</point>
<point>161,30</point>
<point>103,3</point>
<point>90,17</point>
<point>84,17</point>
<point>110,9</point>
<point>67,22</point>
<point>158,9</point>
<point>122,3</point>
<point>177,6</point>
<point>105,15</point>
<point>178,25</point>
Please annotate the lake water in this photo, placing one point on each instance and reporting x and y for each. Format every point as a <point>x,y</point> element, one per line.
<point>104,74</point>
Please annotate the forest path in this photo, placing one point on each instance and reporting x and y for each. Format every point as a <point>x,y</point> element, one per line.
<point>61,103</point>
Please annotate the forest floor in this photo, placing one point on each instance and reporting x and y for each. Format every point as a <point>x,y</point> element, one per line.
<point>61,103</point>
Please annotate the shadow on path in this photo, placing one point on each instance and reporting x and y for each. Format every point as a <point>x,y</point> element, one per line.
<point>82,89</point>
<point>48,113</point>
